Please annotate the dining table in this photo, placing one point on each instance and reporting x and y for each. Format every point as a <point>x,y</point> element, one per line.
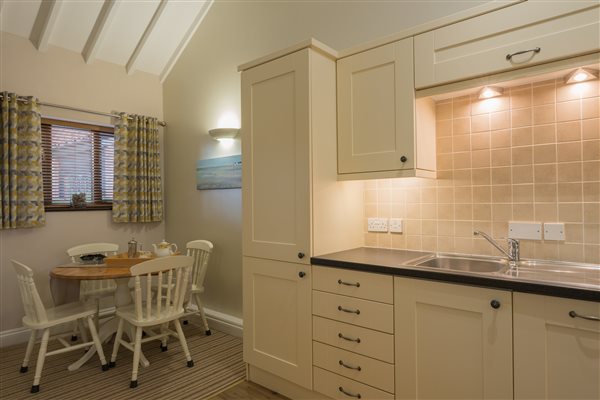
<point>74,272</point>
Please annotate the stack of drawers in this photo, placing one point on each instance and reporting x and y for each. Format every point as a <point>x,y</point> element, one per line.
<point>353,334</point>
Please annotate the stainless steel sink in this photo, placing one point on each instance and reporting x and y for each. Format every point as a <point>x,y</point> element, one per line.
<point>549,271</point>
<point>464,264</point>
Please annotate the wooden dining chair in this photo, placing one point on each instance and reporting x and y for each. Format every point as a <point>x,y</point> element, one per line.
<point>201,251</point>
<point>154,309</point>
<point>38,318</point>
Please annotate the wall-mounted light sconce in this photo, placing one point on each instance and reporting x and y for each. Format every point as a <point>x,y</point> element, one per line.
<point>581,75</point>
<point>221,134</point>
<point>487,92</point>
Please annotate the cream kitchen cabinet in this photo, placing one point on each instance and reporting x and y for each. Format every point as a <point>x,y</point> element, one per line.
<point>520,35</point>
<point>380,131</point>
<point>293,206</point>
<point>556,353</point>
<point>452,341</point>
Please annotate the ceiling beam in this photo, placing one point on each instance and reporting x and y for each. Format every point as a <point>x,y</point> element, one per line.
<point>185,40</point>
<point>133,60</point>
<point>44,23</point>
<point>105,17</point>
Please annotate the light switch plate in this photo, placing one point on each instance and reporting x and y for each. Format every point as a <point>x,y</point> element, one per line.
<point>377,224</point>
<point>554,231</point>
<point>525,230</point>
<point>396,225</point>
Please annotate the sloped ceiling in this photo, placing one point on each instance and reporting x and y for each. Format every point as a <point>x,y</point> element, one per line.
<point>144,35</point>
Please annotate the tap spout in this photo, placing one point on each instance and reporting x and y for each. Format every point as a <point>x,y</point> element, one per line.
<point>512,254</point>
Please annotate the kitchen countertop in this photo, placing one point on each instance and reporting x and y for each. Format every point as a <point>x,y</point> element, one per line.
<point>395,262</point>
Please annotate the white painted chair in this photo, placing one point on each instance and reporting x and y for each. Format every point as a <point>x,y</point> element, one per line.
<point>38,318</point>
<point>158,309</point>
<point>201,251</point>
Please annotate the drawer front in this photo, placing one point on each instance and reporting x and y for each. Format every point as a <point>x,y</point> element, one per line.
<point>359,340</point>
<point>479,46</point>
<point>334,386</point>
<point>354,311</point>
<point>354,366</point>
<point>364,285</point>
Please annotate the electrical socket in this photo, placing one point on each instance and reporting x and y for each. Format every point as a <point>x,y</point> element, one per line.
<point>377,224</point>
<point>396,225</point>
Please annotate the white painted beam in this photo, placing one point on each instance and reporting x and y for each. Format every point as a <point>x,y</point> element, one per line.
<point>133,60</point>
<point>105,17</point>
<point>185,40</point>
<point>44,23</point>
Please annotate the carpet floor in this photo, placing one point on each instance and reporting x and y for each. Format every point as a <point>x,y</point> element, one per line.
<point>217,359</point>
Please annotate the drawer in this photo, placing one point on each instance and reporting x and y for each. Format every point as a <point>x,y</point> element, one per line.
<point>364,285</point>
<point>369,314</point>
<point>480,45</point>
<point>334,386</point>
<point>354,366</point>
<point>359,340</point>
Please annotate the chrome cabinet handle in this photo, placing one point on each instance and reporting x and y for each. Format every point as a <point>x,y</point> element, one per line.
<point>357,340</point>
<point>357,312</point>
<point>341,282</point>
<point>535,50</point>
<point>357,395</point>
<point>349,366</point>
<point>573,314</point>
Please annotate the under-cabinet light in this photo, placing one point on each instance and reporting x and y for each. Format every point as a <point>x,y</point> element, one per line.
<point>488,92</point>
<point>581,75</point>
<point>223,133</point>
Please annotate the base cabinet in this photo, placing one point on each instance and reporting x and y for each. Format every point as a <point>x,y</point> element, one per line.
<point>556,356</point>
<point>277,318</point>
<point>452,341</point>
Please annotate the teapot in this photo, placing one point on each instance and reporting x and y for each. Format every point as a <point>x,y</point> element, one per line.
<point>164,248</point>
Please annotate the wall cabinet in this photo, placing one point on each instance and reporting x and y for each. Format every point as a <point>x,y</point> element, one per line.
<point>480,45</point>
<point>377,118</point>
<point>452,341</point>
<point>556,356</point>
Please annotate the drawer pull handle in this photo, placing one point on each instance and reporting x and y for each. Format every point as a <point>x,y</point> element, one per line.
<point>357,312</point>
<point>535,50</point>
<point>349,366</point>
<point>357,395</point>
<point>573,314</point>
<point>357,340</point>
<point>341,282</point>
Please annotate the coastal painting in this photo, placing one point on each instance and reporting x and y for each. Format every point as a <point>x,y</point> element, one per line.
<point>219,173</point>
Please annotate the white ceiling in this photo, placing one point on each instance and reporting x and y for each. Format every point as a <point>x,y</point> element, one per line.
<point>144,35</point>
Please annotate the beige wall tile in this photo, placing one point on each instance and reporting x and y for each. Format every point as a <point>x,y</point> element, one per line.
<point>522,174</point>
<point>568,131</point>
<point>482,194</point>
<point>544,94</point>
<point>592,253</point>
<point>591,213</point>
<point>591,150</point>
<point>443,110</point>
<point>463,211</point>
<point>480,123</point>
<point>428,211</point>
<point>544,173</point>
<point>591,191</point>
<point>445,228</point>
<point>591,171</point>
<point>590,108</point>
<point>413,242</point>
<point>501,212</point>
<point>413,227</point>
<point>546,250</point>
<point>571,251</point>
<point>444,161</point>
<point>463,245</point>
<point>522,136</point>
<point>413,210</point>
<point>547,212</point>
<point>500,139</point>
<point>462,177</point>
<point>545,192</point>
<point>461,143</point>
<point>429,243</point>
<point>568,111</point>
<point>463,194</point>
<point>461,107</point>
<point>480,141</point>
<point>482,212</point>
<point>500,120</point>
<point>445,211</point>
<point>520,97</point>
<point>591,233</point>
<point>480,158</point>
<point>384,195</point>
<point>443,128</point>
<point>429,227</point>
<point>523,193</point>
<point>544,134</point>
<point>570,212</point>
<point>501,176</point>
<point>370,196</point>
<point>501,194</point>
<point>428,194</point>
<point>522,155</point>
<point>570,192</point>
<point>569,151</point>
<point>495,104</point>
<point>461,160</point>
<point>570,172</point>
<point>544,114</point>
<point>445,194</point>
<point>481,176</point>
<point>501,157</point>
<point>446,244</point>
<point>463,228</point>
<point>544,153</point>
<point>590,128</point>
<point>443,145</point>
<point>523,212</point>
<point>461,126</point>
<point>521,117</point>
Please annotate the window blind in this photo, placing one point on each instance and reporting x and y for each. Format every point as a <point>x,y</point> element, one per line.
<point>77,158</point>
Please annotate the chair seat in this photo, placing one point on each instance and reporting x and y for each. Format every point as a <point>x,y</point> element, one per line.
<point>62,314</point>
<point>129,314</point>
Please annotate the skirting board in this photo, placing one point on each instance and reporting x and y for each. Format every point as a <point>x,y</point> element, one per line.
<point>216,320</point>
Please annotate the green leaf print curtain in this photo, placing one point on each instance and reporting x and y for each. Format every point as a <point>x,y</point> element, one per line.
<point>21,181</point>
<point>137,188</point>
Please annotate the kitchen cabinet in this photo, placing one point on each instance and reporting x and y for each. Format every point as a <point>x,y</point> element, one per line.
<point>540,31</point>
<point>452,341</point>
<point>382,131</point>
<point>556,356</point>
<point>293,205</point>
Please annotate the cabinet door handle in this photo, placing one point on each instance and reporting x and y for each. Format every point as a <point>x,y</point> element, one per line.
<point>343,364</point>
<point>403,159</point>
<point>573,314</point>
<point>301,274</point>
<point>357,311</point>
<point>300,255</point>
<point>341,282</point>
<point>535,50</point>
<point>357,395</point>
<point>495,304</point>
<point>357,340</point>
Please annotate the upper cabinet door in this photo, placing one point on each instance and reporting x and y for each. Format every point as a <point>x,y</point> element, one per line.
<point>275,159</point>
<point>376,109</point>
<point>480,45</point>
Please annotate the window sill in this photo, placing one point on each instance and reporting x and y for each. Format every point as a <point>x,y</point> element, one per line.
<point>98,207</point>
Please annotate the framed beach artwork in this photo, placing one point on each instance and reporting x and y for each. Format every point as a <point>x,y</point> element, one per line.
<point>219,173</point>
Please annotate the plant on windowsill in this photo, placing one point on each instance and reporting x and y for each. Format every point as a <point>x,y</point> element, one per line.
<point>78,200</point>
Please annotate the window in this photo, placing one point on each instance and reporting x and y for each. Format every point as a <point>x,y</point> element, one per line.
<point>78,158</point>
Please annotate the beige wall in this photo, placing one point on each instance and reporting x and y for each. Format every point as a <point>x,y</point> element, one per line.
<point>204,84</point>
<point>532,154</point>
<point>60,76</point>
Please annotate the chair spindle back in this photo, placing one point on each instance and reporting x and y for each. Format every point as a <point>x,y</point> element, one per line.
<point>32,303</point>
<point>201,251</point>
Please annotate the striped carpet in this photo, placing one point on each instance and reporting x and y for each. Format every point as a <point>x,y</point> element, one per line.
<point>217,358</point>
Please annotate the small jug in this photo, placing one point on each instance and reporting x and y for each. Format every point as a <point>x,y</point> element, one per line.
<point>164,248</point>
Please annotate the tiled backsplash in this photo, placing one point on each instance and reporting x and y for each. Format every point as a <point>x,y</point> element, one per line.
<point>532,154</point>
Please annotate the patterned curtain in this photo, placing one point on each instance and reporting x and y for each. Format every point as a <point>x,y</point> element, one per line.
<point>137,190</point>
<point>21,182</point>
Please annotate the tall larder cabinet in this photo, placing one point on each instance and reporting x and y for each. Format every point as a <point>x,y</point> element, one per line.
<point>293,205</point>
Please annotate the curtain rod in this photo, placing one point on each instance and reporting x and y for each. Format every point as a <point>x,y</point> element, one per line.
<point>24,99</point>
